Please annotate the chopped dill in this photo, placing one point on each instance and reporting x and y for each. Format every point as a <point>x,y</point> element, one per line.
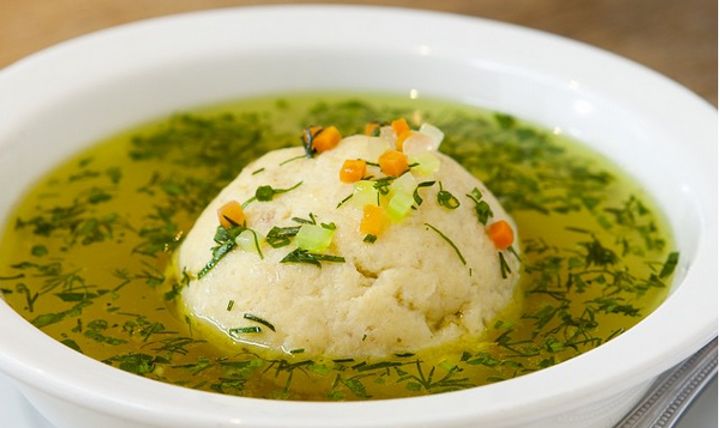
<point>258,171</point>
<point>347,198</point>
<point>304,256</point>
<point>504,267</point>
<point>287,161</point>
<point>416,193</point>
<point>670,264</point>
<point>310,220</point>
<point>234,332</point>
<point>259,320</point>
<point>297,351</point>
<point>230,305</point>
<point>452,244</point>
<point>225,239</point>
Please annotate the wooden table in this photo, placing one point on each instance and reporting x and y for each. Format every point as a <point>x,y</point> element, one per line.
<point>675,37</point>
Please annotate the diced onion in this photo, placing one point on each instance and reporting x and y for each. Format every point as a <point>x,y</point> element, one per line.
<point>434,133</point>
<point>312,237</point>
<point>418,143</point>
<point>246,241</point>
<point>404,184</point>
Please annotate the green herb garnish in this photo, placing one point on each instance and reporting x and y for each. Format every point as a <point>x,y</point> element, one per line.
<point>280,236</point>
<point>370,239</point>
<point>452,244</point>
<point>286,161</point>
<point>504,267</point>
<point>482,209</point>
<point>310,220</point>
<point>307,140</point>
<point>258,171</point>
<point>670,264</point>
<point>447,199</point>
<point>257,319</point>
<point>267,193</point>
<point>234,332</point>
<point>416,193</point>
<point>225,239</point>
<point>304,256</point>
<point>347,198</point>
<point>230,305</point>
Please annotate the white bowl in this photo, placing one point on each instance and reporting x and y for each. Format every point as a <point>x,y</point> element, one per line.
<point>64,98</point>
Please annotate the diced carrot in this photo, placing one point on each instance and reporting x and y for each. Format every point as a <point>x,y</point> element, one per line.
<point>231,214</point>
<point>352,170</point>
<point>501,234</point>
<point>393,163</point>
<point>374,220</point>
<point>327,139</point>
<point>371,128</point>
<point>401,139</point>
<point>400,126</point>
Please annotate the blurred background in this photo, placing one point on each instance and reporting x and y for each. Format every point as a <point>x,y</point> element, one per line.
<point>677,38</point>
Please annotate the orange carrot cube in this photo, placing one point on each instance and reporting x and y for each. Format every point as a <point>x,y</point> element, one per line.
<point>501,234</point>
<point>400,126</point>
<point>327,139</point>
<point>374,220</point>
<point>352,170</point>
<point>401,139</point>
<point>231,214</point>
<point>393,163</point>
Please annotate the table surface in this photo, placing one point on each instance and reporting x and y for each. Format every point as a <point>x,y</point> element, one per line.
<point>675,37</point>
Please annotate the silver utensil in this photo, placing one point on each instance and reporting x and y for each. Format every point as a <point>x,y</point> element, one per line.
<point>673,391</point>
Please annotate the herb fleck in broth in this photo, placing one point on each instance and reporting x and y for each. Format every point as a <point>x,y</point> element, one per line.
<point>88,252</point>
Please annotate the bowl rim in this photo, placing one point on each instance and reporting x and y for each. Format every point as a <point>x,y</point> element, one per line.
<point>93,385</point>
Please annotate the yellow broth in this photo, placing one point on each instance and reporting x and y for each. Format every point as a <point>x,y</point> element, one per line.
<point>87,255</point>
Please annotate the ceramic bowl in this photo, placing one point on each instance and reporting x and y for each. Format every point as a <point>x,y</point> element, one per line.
<point>62,99</point>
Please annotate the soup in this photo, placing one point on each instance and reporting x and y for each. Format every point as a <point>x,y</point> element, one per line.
<point>88,254</point>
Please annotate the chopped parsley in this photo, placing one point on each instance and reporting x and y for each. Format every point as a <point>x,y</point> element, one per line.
<point>280,236</point>
<point>447,199</point>
<point>267,193</point>
<point>482,209</point>
<point>370,239</point>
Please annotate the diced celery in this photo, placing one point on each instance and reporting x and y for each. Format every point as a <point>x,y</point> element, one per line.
<point>428,164</point>
<point>364,193</point>
<point>246,241</point>
<point>399,206</point>
<point>312,237</point>
<point>404,184</point>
